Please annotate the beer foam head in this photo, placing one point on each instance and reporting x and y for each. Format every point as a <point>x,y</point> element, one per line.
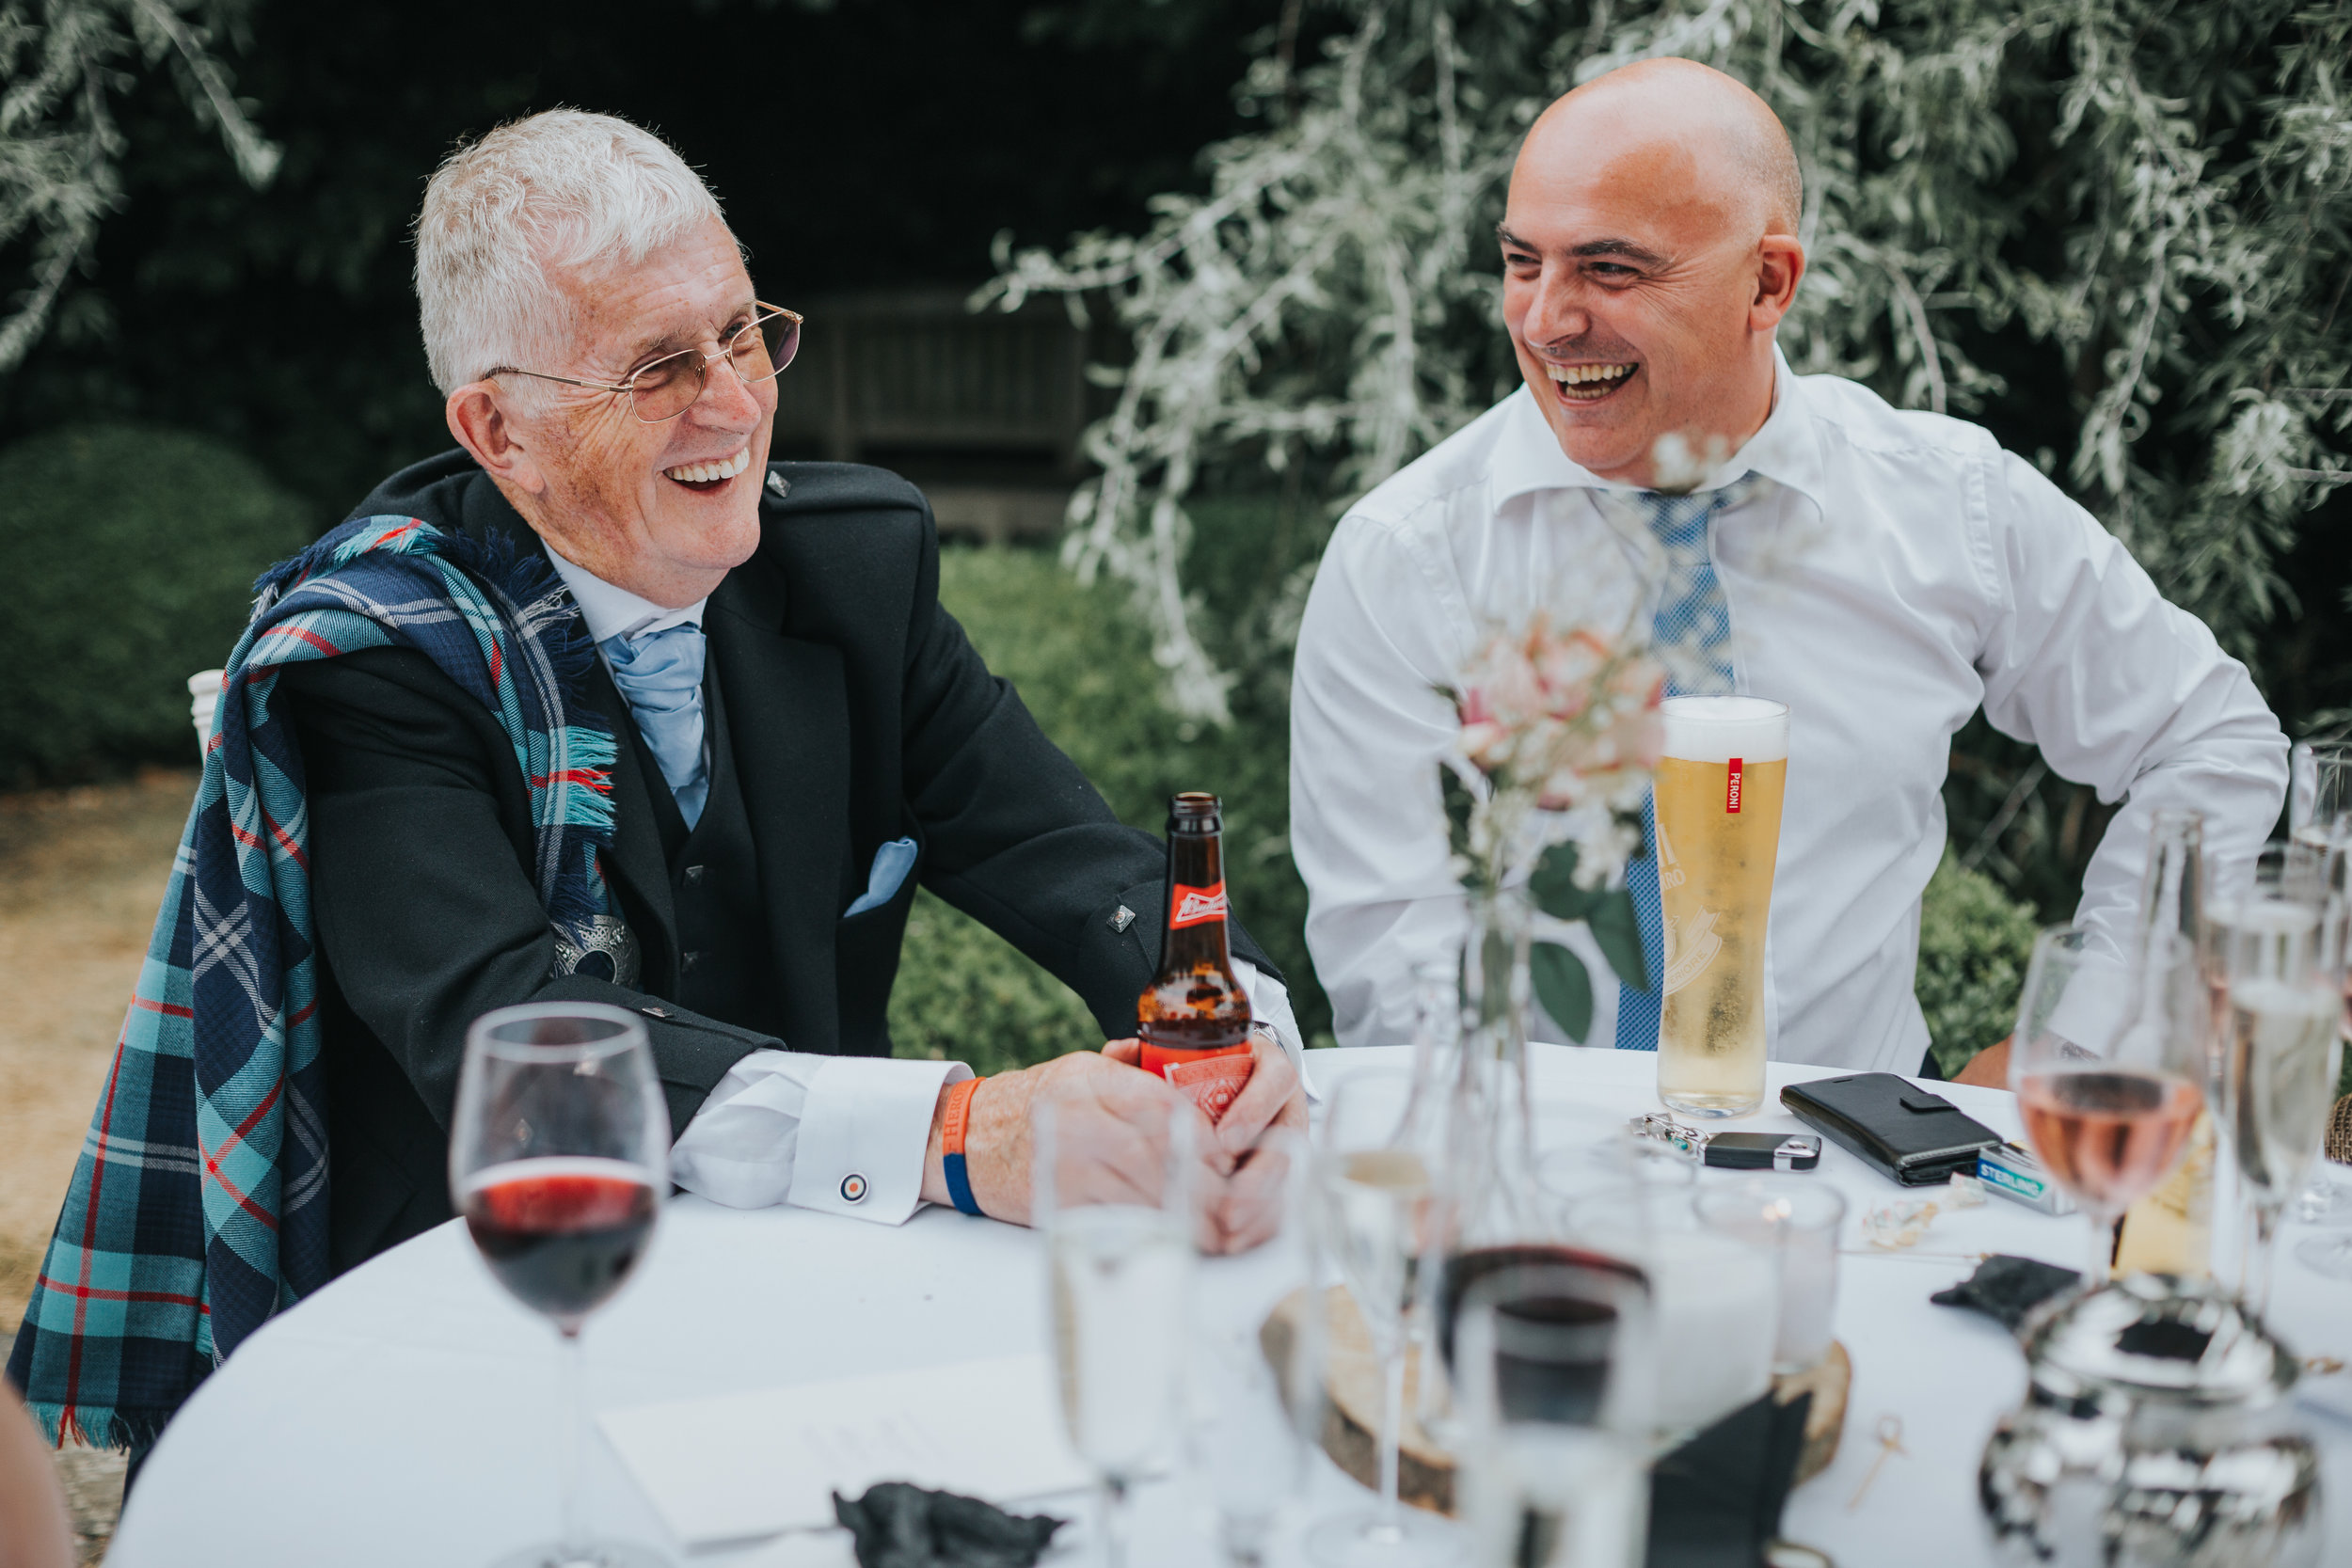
<point>1716,729</point>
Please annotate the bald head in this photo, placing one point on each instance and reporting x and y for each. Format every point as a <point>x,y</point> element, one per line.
<point>1726,136</point>
<point>1650,252</point>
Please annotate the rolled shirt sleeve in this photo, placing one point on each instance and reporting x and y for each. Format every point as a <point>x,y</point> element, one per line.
<point>843,1134</point>
<point>1368,728</point>
<point>2122,690</point>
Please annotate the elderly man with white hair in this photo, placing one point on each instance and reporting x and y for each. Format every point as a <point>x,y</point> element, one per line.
<point>602,706</point>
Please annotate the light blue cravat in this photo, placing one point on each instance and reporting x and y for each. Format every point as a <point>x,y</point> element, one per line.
<point>1692,634</point>
<point>661,676</point>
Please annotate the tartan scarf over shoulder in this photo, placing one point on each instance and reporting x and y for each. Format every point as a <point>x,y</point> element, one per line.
<point>199,1205</point>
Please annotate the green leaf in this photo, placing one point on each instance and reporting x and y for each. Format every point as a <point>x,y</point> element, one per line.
<point>1459,802</point>
<point>1562,986</point>
<point>1553,887</point>
<point>1618,931</point>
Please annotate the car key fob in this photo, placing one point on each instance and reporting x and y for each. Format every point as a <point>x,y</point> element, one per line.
<point>1733,1150</point>
<point>1764,1150</point>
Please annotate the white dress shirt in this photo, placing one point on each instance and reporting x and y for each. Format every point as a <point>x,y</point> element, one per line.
<point>846,1134</point>
<point>1895,571</point>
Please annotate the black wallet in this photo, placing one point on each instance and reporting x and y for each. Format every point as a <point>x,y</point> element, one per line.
<point>1906,1134</point>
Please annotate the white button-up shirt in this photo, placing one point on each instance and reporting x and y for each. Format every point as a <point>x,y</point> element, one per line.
<point>787,1127</point>
<point>1894,571</point>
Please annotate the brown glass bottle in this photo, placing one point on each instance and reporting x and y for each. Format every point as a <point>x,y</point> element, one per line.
<point>1194,1017</point>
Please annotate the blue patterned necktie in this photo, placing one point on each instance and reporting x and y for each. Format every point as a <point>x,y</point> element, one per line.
<point>1691,633</point>
<point>661,674</point>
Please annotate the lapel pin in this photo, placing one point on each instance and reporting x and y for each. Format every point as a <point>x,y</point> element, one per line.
<point>778,486</point>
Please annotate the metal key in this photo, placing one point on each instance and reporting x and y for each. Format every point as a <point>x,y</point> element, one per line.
<point>1890,1436</point>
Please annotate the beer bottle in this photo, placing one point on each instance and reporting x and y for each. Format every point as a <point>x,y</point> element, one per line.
<point>1194,1017</point>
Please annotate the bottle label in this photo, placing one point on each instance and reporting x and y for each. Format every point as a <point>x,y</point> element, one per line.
<point>1210,1080</point>
<point>1731,789</point>
<point>1194,906</point>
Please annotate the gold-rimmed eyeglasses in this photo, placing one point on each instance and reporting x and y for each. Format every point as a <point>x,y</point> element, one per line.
<point>756,351</point>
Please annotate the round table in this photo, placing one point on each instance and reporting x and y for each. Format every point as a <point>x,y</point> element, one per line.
<point>405,1414</point>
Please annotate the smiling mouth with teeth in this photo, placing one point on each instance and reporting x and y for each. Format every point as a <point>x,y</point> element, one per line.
<point>709,476</point>
<point>1588,383</point>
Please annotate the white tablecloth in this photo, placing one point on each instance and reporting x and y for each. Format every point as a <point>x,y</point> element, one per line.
<point>405,1414</point>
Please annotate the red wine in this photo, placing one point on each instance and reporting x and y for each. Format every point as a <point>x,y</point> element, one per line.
<point>1555,1325</point>
<point>1465,1269</point>
<point>2107,1136</point>
<point>560,1235</point>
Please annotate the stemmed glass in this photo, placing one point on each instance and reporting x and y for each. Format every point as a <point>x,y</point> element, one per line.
<point>1256,1407</point>
<point>1376,1193</point>
<point>1555,1368</point>
<point>1114,1197</point>
<point>2109,1065</point>
<point>558,1158</point>
<point>2319,814</point>
<point>2281,1042</point>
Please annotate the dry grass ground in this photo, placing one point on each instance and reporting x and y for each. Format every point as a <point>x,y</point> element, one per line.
<point>81,873</point>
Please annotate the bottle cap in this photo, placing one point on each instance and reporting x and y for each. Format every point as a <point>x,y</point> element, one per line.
<point>1195,812</point>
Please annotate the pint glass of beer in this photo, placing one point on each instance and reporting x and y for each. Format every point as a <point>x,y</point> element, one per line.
<point>1718,798</point>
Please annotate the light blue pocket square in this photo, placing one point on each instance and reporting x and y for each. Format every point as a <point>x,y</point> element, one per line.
<point>892,863</point>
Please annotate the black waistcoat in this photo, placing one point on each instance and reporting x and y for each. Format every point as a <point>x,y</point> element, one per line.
<point>726,966</point>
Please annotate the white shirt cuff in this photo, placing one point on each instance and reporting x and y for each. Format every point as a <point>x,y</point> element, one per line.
<point>1270,1005</point>
<point>845,1134</point>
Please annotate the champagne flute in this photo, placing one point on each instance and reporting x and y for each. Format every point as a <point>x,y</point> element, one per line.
<point>2319,812</point>
<point>1114,1197</point>
<point>2280,1049</point>
<point>1377,1192</point>
<point>1254,1405</point>
<point>2109,1065</point>
<point>558,1158</point>
<point>2332,1255</point>
<point>1557,1367</point>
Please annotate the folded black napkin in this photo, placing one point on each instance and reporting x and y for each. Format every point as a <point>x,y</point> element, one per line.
<point>1716,1500</point>
<point>2008,1288</point>
<point>898,1526</point>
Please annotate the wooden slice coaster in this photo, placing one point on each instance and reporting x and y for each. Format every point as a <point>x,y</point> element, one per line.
<point>1351,1411</point>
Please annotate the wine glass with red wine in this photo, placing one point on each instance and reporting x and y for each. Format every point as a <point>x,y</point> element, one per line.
<point>2109,1067</point>
<point>558,1158</point>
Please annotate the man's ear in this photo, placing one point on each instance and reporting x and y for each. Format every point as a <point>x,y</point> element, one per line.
<point>1779,264</point>
<point>478,418</point>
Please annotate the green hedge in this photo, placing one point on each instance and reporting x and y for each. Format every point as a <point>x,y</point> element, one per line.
<point>1083,665</point>
<point>129,557</point>
<point>1974,942</point>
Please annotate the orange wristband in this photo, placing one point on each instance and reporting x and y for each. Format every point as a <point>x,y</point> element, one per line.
<point>952,1126</point>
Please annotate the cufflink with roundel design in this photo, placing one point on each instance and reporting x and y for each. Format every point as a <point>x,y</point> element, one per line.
<point>853,1188</point>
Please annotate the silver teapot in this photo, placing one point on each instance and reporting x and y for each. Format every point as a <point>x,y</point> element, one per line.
<point>2157,1433</point>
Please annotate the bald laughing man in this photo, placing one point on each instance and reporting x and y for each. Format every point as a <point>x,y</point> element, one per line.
<point>1884,572</point>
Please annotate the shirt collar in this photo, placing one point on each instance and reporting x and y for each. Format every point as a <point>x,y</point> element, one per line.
<point>1786,449</point>
<point>613,611</point>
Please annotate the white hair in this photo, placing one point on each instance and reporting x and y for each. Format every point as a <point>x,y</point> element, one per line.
<point>560,192</point>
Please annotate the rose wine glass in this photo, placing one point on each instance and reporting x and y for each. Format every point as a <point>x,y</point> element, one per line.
<point>2109,1067</point>
<point>558,1158</point>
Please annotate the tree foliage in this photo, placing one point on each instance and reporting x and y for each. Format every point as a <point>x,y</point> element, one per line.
<point>2117,230</point>
<point>61,66</point>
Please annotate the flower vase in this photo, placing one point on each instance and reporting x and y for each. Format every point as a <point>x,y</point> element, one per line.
<point>1489,1173</point>
<point>1484,1186</point>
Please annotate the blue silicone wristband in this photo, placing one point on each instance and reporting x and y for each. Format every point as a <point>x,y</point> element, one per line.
<point>959,1185</point>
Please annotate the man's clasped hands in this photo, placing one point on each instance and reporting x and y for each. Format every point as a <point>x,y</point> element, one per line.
<point>1238,1176</point>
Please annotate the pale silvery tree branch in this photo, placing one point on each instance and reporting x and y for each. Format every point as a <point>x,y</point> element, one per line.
<point>1327,297</point>
<point>61,62</point>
